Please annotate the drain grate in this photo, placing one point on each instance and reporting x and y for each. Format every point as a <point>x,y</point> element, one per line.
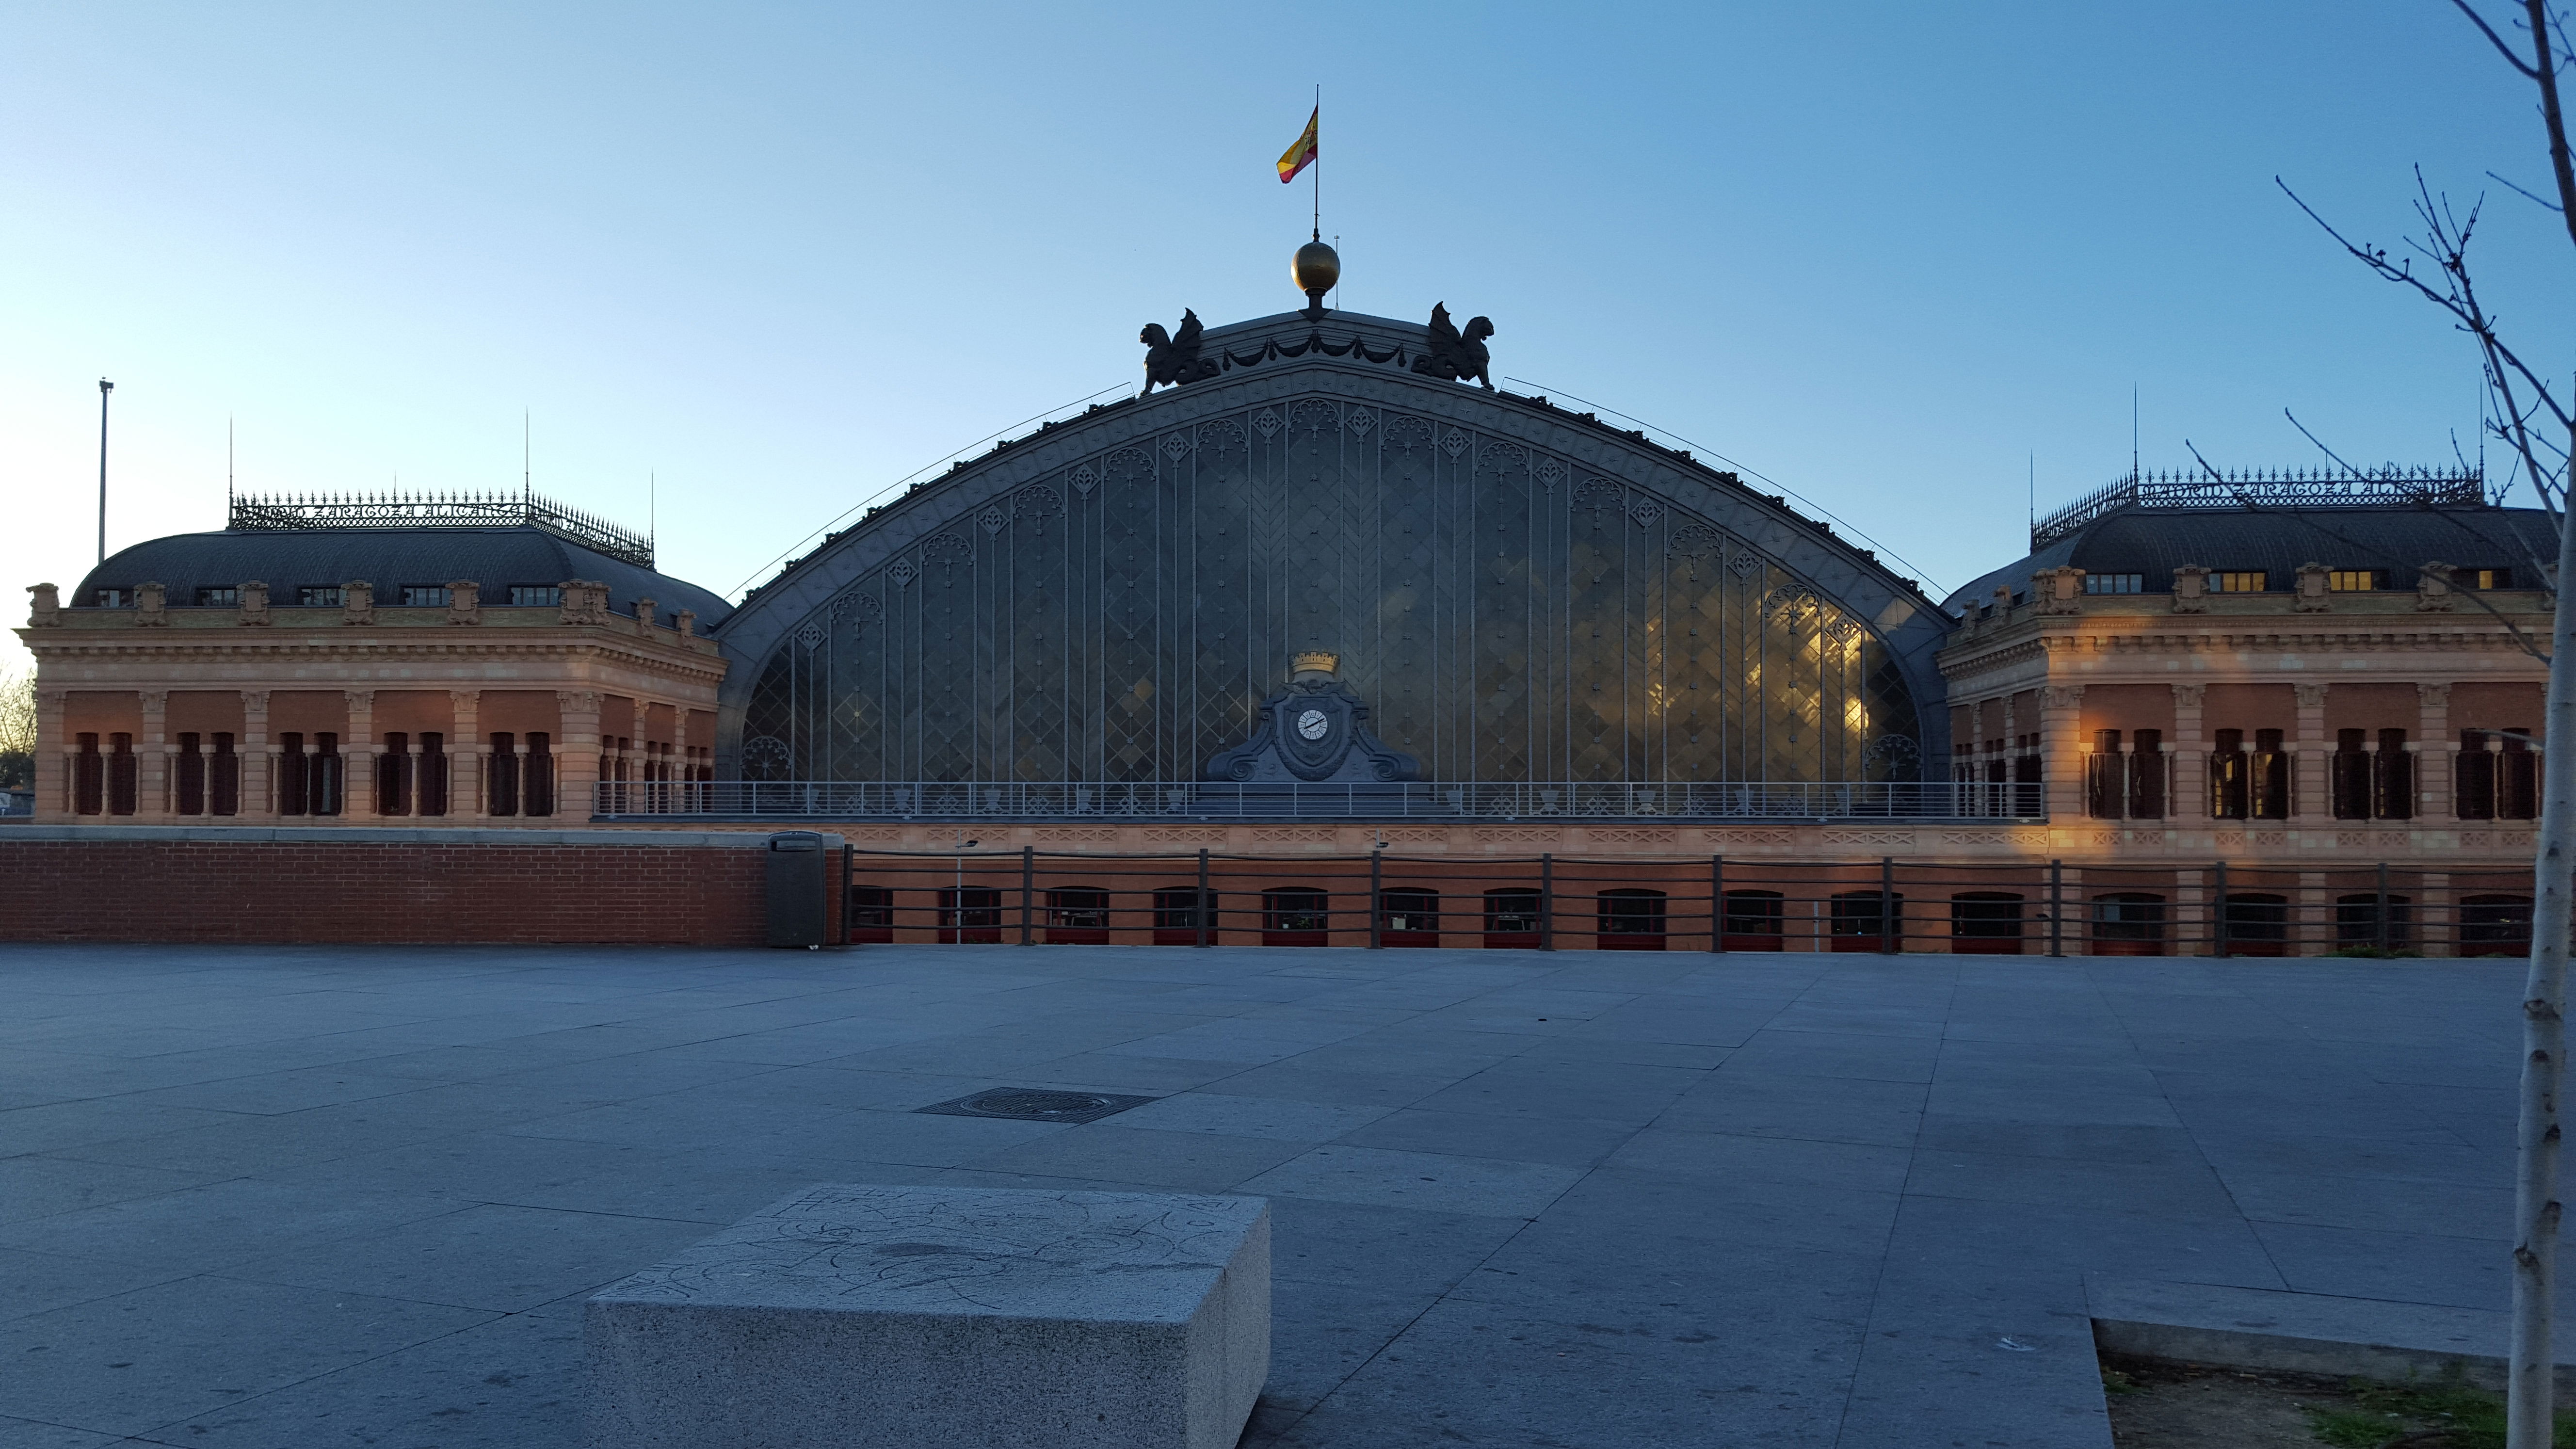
<point>1035,1104</point>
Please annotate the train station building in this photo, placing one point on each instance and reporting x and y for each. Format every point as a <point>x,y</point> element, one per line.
<point>1326,643</point>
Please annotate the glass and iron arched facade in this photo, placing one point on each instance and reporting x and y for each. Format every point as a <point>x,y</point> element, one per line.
<point>1519,595</point>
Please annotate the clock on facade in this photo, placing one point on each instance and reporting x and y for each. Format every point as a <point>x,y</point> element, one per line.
<point>1313,725</point>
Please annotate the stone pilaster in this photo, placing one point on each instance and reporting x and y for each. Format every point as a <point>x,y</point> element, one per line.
<point>2061,738</point>
<point>258,764</point>
<point>2436,754</point>
<point>2311,791</point>
<point>53,758</point>
<point>2191,757</point>
<point>467,756</point>
<point>358,757</point>
<point>152,781</point>
<point>576,753</point>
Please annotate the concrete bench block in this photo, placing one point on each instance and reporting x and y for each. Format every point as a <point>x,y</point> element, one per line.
<point>928,1317</point>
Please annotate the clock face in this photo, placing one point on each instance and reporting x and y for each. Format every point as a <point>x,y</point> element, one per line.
<point>1313,725</point>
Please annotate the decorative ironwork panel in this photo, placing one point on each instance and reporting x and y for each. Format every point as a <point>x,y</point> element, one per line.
<point>1512,615</point>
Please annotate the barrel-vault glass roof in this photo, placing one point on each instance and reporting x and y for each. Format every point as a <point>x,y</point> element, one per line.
<point>1521,593</point>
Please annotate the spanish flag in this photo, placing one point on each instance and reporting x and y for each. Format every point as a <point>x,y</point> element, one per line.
<point>1302,155</point>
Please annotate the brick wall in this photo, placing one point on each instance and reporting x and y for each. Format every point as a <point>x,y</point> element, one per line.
<point>381,890</point>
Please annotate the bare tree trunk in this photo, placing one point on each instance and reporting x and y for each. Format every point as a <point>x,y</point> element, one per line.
<point>2544,1037</point>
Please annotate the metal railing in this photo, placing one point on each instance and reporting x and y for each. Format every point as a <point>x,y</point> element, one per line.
<point>1210,800</point>
<point>2284,488</point>
<point>398,509</point>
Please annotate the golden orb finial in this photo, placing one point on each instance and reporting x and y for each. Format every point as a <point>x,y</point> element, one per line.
<point>1315,270</point>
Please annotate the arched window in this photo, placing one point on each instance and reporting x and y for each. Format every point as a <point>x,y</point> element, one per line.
<point>1867,921</point>
<point>1184,916</point>
<point>1631,919</point>
<point>1077,916</point>
<point>1511,917</point>
<point>2495,925</point>
<point>1752,920</point>
<point>2128,923</point>
<point>1408,916</point>
<point>869,914</point>
<point>971,914</point>
<point>1295,916</point>
<point>2357,921</point>
<point>1986,923</point>
<point>2257,924</point>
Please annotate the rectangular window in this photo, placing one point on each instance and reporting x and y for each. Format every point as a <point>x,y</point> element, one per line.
<point>430,792</point>
<point>2113,583</point>
<point>537,779</point>
<point>502,781</point>
<point>293,771</point>
<point>2356,581</point>
<point>2229,770</point>
<point>536,596</point>
<point>393,775</point>
<point>2484,578</point>
<point>319,596</point>
<point>2240,581</point>
<point>224,776</point>
<point>424,596</point>
<point>111,598</point>
<point>89,778</point>
<point>191,776</point>
<point>120,774</point>
<point>326,778</point>
<point>218,595</point>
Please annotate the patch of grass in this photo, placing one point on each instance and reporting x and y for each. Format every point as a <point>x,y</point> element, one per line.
<point>2468,1416</point>
<point>2116,1382</point>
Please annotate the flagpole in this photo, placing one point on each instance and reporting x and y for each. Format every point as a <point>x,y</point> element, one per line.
<point>1319,161</point>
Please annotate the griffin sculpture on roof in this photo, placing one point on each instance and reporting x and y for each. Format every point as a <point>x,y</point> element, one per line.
<point>1173,358</point>
<point>1455,355</point>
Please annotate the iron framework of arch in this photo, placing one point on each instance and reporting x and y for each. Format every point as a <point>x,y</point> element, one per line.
<point>1513,609</point>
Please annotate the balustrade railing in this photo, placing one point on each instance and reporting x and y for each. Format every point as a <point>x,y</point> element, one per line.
<point>1443,800</point>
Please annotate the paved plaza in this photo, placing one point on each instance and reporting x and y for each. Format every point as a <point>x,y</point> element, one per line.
<point>283,1198</point>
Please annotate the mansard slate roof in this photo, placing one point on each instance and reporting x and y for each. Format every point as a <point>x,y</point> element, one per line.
<point>389,558</point>
<point>2399,539</point>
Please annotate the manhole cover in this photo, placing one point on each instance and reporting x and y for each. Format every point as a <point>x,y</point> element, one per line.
<point>1033,1104</point>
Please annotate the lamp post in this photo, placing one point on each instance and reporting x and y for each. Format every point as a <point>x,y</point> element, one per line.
<point>104,388</point>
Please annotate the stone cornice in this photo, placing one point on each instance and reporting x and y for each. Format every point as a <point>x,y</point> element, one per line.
<point>361,648</point>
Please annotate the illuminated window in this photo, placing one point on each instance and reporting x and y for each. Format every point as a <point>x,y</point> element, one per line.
<point>2113,583</point>
<point>2240,581</point>
<point>2356,581</point>
<point>2484,578</point>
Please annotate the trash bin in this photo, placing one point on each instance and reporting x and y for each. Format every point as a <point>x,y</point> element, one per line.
<point>796,897</point>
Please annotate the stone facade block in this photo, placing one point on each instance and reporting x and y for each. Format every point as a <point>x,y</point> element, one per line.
<point>943,1318</point>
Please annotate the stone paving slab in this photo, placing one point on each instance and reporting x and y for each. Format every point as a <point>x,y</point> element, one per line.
<point>291,1195</point>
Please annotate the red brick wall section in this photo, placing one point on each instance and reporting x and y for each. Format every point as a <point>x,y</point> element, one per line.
<point>272,891</point>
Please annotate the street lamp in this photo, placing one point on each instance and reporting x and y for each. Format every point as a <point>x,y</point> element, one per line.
<point>104,388</point>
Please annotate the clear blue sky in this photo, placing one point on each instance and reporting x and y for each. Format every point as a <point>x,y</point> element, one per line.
<point>783,255</point>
